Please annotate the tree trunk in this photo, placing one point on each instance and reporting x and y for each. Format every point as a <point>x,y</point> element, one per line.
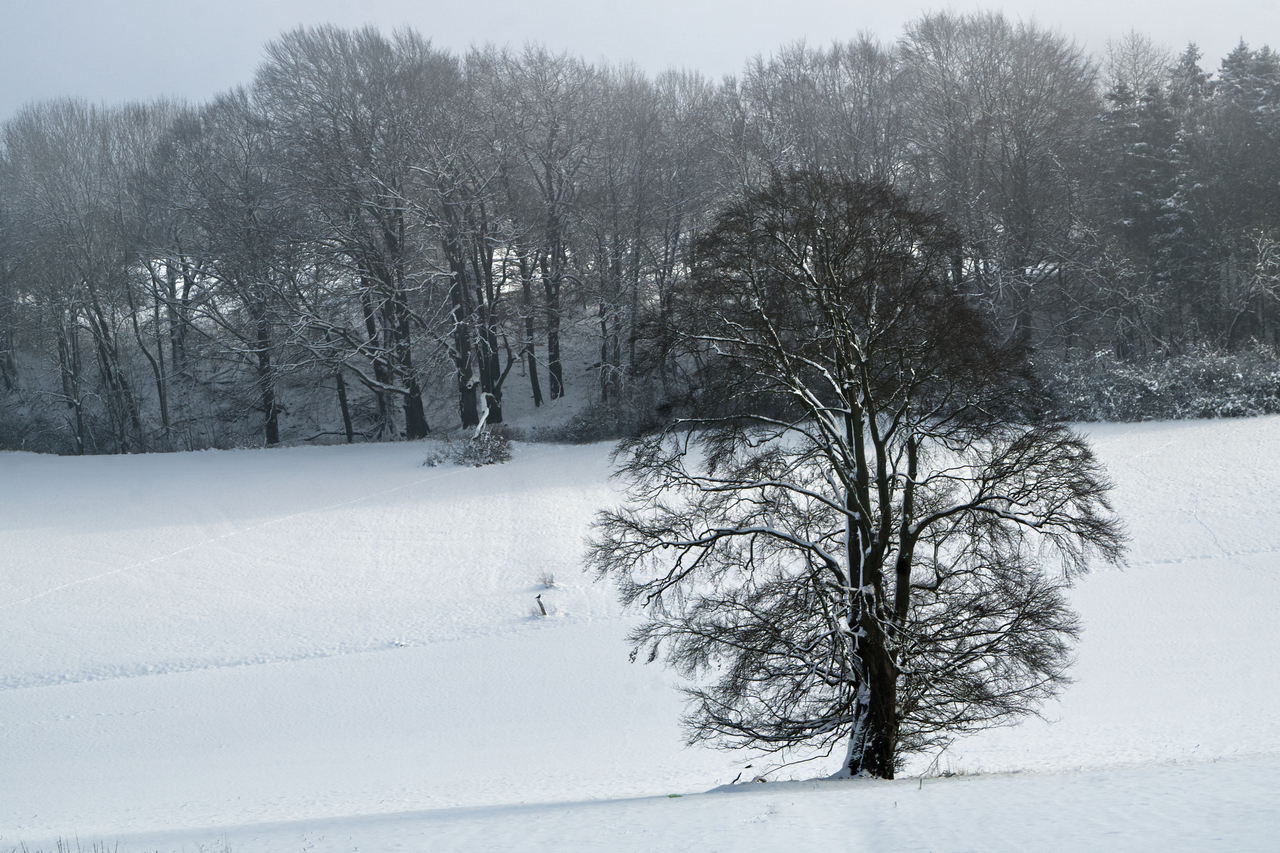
<point>874,739</point>
<point>266,389</point>
<point>526,284</point>
<point>70,368</point>
<point>346,410</point>
<point>156,361</point>
<point>874,735</point>
<point>551,284</point>
<point>490,363</point>
<point>906,540</point>
<point>415,414</point>
<point>460,299</point>
<point>8,366</point>
<point>381,372</point>
<point>554,367</point>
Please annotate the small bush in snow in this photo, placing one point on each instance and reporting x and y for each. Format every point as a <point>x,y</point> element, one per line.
<point>490,447</point>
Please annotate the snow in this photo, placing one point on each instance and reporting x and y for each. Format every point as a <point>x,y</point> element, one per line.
<point>335,649</point>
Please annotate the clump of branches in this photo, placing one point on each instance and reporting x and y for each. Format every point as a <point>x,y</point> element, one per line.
<point>1199,383</point>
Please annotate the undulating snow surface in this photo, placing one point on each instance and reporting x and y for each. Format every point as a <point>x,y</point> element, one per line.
<point>335,649</point>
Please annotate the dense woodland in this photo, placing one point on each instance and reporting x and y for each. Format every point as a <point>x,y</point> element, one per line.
<point>377,239</point>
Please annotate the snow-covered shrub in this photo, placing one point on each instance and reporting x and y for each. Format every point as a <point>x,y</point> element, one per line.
<point>490,447</point>
<point>1203,383</point>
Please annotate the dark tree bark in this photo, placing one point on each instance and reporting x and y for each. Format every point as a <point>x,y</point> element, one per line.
<point>552,279</point>
<point>530,331</point>
<point>345,409</point>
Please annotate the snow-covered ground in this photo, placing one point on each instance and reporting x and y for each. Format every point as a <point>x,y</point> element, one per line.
<point>334,649</point>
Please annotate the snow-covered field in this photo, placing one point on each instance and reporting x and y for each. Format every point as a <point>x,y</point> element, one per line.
<point>334,649</point>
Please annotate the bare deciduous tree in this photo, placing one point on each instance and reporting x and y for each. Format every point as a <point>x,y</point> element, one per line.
<point>849,535</point>
<point>1000,120</point>
<point>349,109</point>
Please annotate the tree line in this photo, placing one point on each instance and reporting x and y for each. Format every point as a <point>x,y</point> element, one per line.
<point>376,238</point>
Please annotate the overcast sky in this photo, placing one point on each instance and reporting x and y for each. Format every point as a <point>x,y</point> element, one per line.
<point>118,50</point>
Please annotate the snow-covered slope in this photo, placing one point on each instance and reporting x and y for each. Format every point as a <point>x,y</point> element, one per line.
<point>335,648</point>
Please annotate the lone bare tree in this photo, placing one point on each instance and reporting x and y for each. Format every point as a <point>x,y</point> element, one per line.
<point>861,528</point>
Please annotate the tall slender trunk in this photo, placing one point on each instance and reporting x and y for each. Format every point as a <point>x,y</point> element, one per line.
<point>553,264</point>
<point>177,305</point>
<point>162,382</point>
<point>391,274</point>
<point>415,415</point>
<point>460,304</point>
<point>156,360</point>
<point>490,363</point>
<point>551,280</point>
<point>69,364</point>
<point>8,365</point>
<point>906,540</point>
<point>377,354</point>
<point>266,386</point>
<point>344,408</point>
<point>555,368</point>
<point>610,321</point>
<point>526,286</point>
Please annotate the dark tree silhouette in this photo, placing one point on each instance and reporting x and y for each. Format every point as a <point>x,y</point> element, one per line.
<point>845,536</point>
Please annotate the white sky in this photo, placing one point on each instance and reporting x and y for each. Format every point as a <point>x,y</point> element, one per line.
<point>116,50</point>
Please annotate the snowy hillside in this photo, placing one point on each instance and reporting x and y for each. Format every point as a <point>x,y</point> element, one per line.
<point>334,649</point>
